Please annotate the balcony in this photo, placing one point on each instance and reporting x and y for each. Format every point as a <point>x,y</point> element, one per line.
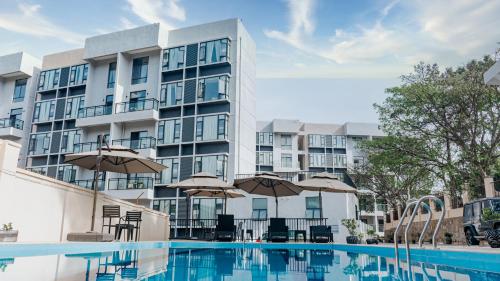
<point>141,110</point>
<point>146,146</point>
<point>11,129</point>
<point>131,189</point>
<point>94,115</point>
<point>87,184</point>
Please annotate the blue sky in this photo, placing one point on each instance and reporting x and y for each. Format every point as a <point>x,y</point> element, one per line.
<point>342,52</point>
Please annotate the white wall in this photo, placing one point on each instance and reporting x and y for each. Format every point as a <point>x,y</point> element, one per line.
<point>45,209</point>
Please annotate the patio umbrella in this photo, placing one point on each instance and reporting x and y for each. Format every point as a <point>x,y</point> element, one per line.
<point>325,182</point>
<point>115,159</point>
<point>215,194</point>
<point>268,184</point>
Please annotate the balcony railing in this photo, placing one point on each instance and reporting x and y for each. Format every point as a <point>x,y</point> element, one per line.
<point>93,111</point>
<point>88,184</point>
<point>127,184</point>
<point>14,123</point>
<point>295,176</point>
<point>84,147</point>
<point>141,143</point>
<point>140,105</point>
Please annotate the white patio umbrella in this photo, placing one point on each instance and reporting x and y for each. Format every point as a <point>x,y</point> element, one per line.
<point>325,182</point>
<point>115,159</point>
<point>268,184</point>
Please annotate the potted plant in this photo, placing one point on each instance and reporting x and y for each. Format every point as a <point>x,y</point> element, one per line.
<point>8,234</point>
<point>372,237</point>
<point>448,238</point>
<point>351,225</point>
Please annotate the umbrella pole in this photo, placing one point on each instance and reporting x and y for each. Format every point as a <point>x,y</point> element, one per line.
<point>225,202</point>
<point>320,206</point>
<point>96,178</point>
<point>276,200</point>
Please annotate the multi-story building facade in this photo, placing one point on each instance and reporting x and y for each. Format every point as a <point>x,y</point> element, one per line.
<point>184,98</point>
<point>18,78</point>
<point>296,150</point>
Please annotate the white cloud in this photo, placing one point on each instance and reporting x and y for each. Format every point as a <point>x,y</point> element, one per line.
<point>27,19</point>
<point>162,11</point>
<point>126,23</point>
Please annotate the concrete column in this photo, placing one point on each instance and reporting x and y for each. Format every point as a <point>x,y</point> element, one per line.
<point>465,194</point>
<point>489,187</point>
<point>9,153</point>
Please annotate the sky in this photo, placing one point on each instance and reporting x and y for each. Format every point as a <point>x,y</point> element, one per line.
<point>343,54</point>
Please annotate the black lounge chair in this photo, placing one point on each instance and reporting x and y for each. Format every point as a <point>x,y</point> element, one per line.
<point>110,213</point>
<point>320,233</point>
<point>225,229</point>
<point>277,230</point>
<point>130,222</point>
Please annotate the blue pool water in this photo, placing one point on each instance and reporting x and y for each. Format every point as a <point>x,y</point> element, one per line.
<point>236,261</point>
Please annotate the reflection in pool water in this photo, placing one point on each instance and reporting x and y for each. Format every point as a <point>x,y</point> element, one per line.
<point>225,264</point>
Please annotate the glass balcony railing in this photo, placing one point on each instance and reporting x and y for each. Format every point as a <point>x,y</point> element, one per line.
<point>14,123</point>
<point>134,183</point>
<point>140,105</point>
<point>89,183</point>
<point>84,147</point>
<point>93,111</point>
<point>141,143</point>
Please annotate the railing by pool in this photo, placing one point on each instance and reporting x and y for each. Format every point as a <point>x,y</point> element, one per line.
<point>14,123</point>
<point>140,105</point>
<point>93,111</point>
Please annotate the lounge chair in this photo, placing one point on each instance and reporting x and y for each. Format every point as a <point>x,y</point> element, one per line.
<point>277,230</point>
<point>130,222</point>
<point>110,213</point>
<point>320,233</point>
<point>225,229</point>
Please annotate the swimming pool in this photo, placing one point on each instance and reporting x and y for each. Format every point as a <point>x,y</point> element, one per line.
<point>180,260</point>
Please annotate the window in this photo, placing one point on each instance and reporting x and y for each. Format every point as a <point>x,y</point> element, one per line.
<point>167,206</point>
<point>207,208</point>
<point>169,131</point>
<point>259,208</point>
<point>78,74</point>
<point>39,144</point>
<point>265,138</point>
<point>140,70</point>
<point>38,170</point>
<point>69,139</point>
<point>316,140</point>
<point>358,161</point>
<point>111,75</point>
<point>339,141</point>
<point>48,80</point>
<point>171,173</point>
<point>66,173</point>
<point>16,114</point>
<point>73,105</point>
<point>213,88</point>
<point>214,51</point>
<point>173,58</point>
<point>19,90</point>
<point>286,160</point>
<point>286,142</point>
<point>340,161</point>
<point>214,164</point>
<point>212,127</point>
<point>171,94</point>
<point>312,207</point>
<point>265,158</point>
<point>44,111</point>
<point>317,160</point>
<point>356,141</point>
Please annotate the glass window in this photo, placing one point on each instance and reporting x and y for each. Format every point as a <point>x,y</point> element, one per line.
<point>39,144</point>
<point>69,139</point>
<point>214,51</point>
<point>78,74</point>
<point>265,138</point>
<point>286,142</point>
<point>214,164</point>
<point>207,208</point>
<point>259,208</point>
<point>265,158</point>
<point>173,58</point>
<point>48,80</point>
<point>358,161</point>
<point>340,161</point>
<point>16,114</point>
<point>165,205</point>
<point>317,160</point>
<point>44,111</point>
<point>111,75</point>
<point>316,140</point>
<point>286,160</point>
<point>140,70</point>
<point>19,90</point>
<point>171,173</point>
<point>312,207</point>
<point>171,94</point>
<point>213,88</point>
<point>212,127</point>
<point>73,105</point>
<point>169,131</point>
<point>66,173</point>
<point>339,141</point>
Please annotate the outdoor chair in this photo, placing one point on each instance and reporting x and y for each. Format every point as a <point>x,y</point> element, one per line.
<point>277,230</point>
<point>320,233</point>
<point>130,222</point>
<point>109,213</point>
<point>225,229</point>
